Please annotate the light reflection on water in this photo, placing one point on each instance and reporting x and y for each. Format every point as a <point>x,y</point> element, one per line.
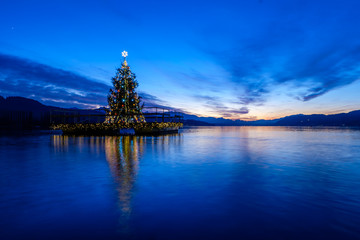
<point>207,182</point>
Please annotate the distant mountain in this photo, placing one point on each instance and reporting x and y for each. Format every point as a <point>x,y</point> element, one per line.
<point>263,122</point>
<point>342,119</point>
<point>20,111</point>
<point>215,121</point>
<point>21,104</point>
<point>191,122</point>
<point>227,122</point>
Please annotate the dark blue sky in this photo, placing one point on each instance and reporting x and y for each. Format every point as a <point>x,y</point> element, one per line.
<point>236,59</point>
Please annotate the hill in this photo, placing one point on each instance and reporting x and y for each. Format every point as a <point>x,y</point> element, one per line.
<point>20,112</point>
<point>25,113</point>
<point>342,119</point>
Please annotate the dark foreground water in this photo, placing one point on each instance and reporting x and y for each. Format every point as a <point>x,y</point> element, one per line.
<point>205,183</point>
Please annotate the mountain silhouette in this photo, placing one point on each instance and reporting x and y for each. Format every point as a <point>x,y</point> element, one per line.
<point>26,113</point>
<point>20,112</point>
<point>342,119</point>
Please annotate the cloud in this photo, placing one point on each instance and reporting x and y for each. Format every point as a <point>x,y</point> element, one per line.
<point>324,71</point>
<point>152,101</point>
<point>50,85</point>
<point>217,107</point>
<point>311,53</point>
<point>54,86</point>
<point>311,73</point>
<point>199,80</point>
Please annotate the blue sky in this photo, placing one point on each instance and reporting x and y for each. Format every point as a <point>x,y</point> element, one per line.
<point>249,59</point>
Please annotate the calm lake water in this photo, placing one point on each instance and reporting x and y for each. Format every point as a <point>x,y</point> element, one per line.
<point>204,183</point>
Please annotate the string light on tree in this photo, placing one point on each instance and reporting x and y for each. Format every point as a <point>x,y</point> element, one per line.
<point>123,100</point>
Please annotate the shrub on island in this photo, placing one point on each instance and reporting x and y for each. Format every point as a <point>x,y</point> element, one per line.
<point>114,128</point>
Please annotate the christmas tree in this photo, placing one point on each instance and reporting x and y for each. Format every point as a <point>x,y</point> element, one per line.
<point>123,100</point>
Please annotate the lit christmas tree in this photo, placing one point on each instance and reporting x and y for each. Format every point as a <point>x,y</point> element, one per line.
<point>123,100</point>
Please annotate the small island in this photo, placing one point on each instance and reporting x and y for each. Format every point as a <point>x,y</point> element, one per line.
<point>125,115</point>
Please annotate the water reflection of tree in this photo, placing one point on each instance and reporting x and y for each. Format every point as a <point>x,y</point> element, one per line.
<point>122,154</point>
<point>63,143</point>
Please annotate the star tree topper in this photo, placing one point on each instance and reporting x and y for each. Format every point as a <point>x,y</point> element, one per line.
<point>124,54</point>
